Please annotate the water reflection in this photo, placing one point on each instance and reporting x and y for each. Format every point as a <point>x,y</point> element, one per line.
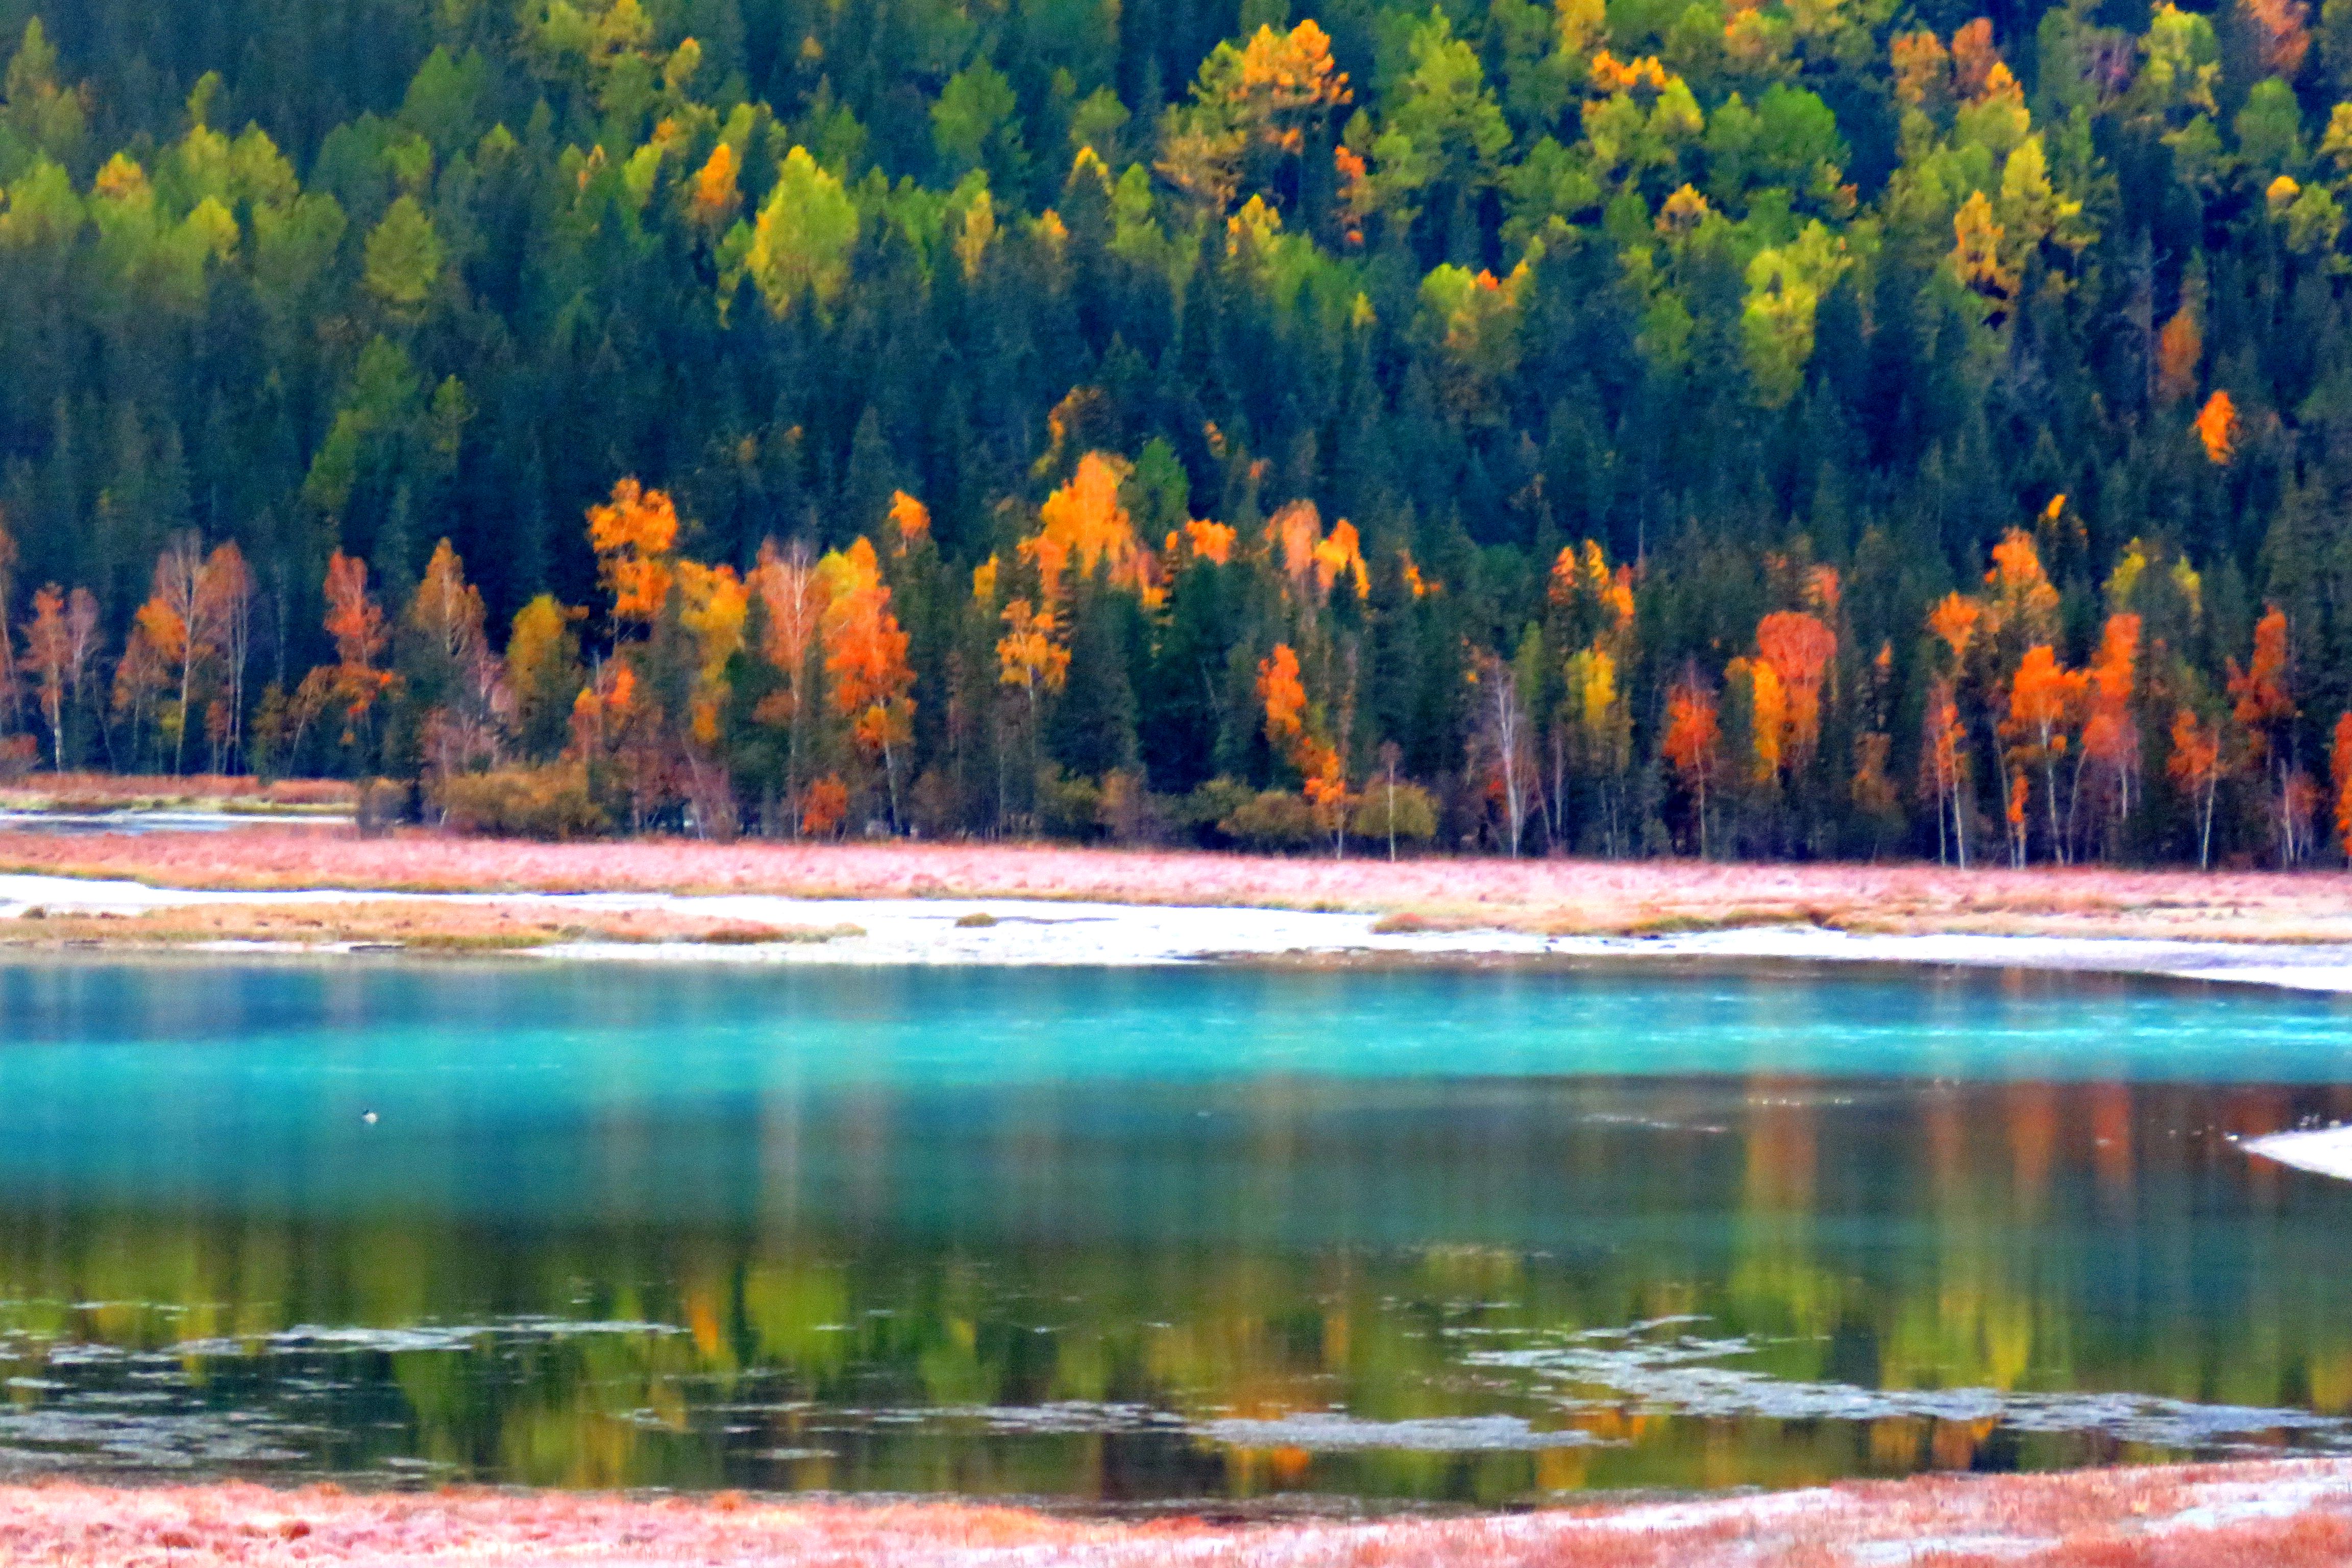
<point>1470,1291</point>
<point>1158,1236</point>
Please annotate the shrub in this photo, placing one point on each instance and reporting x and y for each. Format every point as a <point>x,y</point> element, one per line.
<point>1210,803</point>
<point>1413,819</point>
<point>1274,820</point>
<point>1130,812</point>
<point>522,802</point>
<point>1068,808</point>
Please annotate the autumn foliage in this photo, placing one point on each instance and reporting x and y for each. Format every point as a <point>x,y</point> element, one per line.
<point>633,535</point>
<point>1512,365</point>
<point>868,687</point>
<point>2217,427</point>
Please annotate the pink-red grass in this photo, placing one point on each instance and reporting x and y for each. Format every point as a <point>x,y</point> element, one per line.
<point>1559,896</point>
<point>2278,1515</point>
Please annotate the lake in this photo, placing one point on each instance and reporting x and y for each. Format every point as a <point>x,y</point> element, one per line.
<point>1152,1236</point>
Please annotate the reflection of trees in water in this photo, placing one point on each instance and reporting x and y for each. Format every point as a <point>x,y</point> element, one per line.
<point>2027,1237</point>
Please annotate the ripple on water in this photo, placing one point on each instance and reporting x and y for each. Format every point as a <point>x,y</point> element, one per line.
<point>1685,1376</point>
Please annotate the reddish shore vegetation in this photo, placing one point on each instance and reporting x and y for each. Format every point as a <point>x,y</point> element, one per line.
<point>1563,896</point>
<point>2284,1515</point>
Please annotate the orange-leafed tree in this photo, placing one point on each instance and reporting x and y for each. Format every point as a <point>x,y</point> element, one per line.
<point>1253,106</point>
<point>1798,648</point>
<point>1595,599</point>
<point>1085,534</point>
<point>910,522</point>
<point>2282,38</point>
<point>2263,708</point>
<point>1975,58</point>
<point>1694,744</point>
<point>172,637</point>
<point>2046,702</point>
<point>1030,658</point>
<point>717,197</point>
<point>2019,793</point>
<point>1943,769</point>
<point>634,536</point>
<point>2195,764</point>
<point>1283,695</point>
<point>600,708</point>
<point>827,805</point>
<point>1209,541</point>
<point>142,675</point>
<point>2017,611</point>
<point>2217,427</point>
<point>356,623</point>
<point>2021,604</point>
<point>866,659</point>
<point>1295,731</point>
<point>1954,621</point>
<point>1284,80</point>
<point>2111,742</point>
<point>2339,772</point>
<point>1083,527</point>
<point>1961,624</point>
<point>619,727</point>
<point>1312,562</point>
<point>2179,347</point>
<point>59,642</point>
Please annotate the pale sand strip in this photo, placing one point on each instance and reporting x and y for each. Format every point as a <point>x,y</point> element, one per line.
<point>932,932</point>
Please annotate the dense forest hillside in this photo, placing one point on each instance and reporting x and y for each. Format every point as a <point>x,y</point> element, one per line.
<point>1806,427</point>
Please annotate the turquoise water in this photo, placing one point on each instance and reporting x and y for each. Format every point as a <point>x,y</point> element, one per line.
<point>1133,1235</point>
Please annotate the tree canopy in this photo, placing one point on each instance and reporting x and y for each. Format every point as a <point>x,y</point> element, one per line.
<point>1743,427</point>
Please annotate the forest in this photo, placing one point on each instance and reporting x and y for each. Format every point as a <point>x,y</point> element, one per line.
<point>1774,428</point>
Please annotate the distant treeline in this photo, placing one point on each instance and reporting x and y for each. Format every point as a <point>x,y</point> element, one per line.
<point>1803,427</point>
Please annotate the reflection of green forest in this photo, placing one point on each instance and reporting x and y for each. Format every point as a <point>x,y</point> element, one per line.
<point>2020,1237</point>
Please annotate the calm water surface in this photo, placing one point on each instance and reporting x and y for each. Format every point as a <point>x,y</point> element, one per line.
<point>1132,1236</point>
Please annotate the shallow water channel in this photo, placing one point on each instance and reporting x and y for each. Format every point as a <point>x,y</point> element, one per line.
<point>1134,1237</point>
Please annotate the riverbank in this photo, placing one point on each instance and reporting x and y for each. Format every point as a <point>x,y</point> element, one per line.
<point>65,912</point>
<point>899,904</point>
<point>1537,896</point>
<point>90,795</point>
<point>2282,1514</point>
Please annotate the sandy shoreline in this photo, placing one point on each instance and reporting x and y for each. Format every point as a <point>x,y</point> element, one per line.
<point>2286,1513</point>
<point>1562,897</point>
<point>1012,932</point>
